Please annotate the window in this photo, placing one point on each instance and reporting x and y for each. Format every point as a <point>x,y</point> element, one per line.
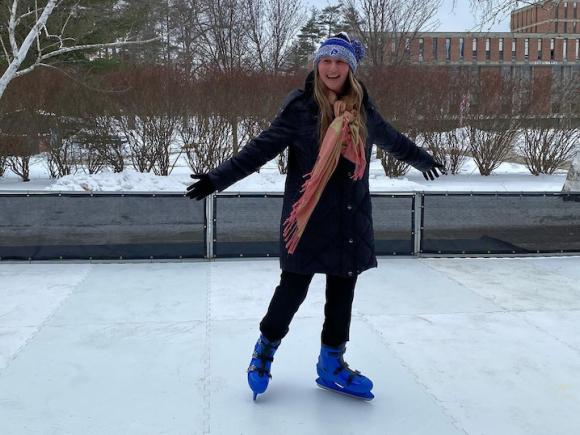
<point>500,49</point>
<point>539,49</point>
<point>514,51</point>
<point>474,48</point>
<point>527,48</point>
<point>407,46</point>
<point>565,26</point>
<point>461,48</point>
<point>552,42</point>
<point>487,49</point>
<point>565,49</point>
<point>435,48</point>
<point>577,49</point>
<point>447,48</point>
<point>421,49</point>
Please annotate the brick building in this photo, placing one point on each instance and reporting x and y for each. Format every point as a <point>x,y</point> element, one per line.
<point>547,17</point>
<point>493,48</point>
<point>544,33</point>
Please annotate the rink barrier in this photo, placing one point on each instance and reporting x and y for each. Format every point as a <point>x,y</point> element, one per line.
<point>100,226</point>
<point>120,226</point>
<point>499,223</point>
<point>249,224</point>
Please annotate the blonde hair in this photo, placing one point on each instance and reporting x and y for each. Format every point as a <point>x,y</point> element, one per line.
<point>353,97</point>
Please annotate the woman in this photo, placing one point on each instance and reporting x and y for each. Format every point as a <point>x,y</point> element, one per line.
<point>326,225</point>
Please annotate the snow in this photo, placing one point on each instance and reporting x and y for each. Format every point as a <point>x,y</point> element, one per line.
<point>508,177</point>
<point>454,346</point>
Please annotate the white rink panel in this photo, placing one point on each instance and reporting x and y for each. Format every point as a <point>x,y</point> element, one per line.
<point>494,372</point>
<point>152,292</point>
<point>294,403</point>
<point>513,283</point>
<point>406,285</point>
<point>106,379</point>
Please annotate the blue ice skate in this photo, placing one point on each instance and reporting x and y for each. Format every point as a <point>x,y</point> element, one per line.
<point>259,369</point>
<point>335,375</point>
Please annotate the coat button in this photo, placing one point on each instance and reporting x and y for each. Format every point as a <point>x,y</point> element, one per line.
<point>349,273</point>
<point>350,241</point>
<point>349,174</point>
<point>349,207</point>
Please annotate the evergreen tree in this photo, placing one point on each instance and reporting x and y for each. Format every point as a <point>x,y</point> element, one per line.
<point>307,41</point>
<point>331,20</point>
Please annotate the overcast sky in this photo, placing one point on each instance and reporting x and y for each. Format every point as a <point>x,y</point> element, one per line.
<point>460,20</point>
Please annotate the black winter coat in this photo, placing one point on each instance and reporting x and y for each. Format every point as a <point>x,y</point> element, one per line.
<point>338,238</point>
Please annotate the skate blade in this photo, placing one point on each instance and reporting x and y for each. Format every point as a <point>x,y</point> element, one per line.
<point>335,389</point>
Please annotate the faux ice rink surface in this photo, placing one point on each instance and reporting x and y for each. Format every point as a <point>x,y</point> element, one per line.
<point>454,346</point>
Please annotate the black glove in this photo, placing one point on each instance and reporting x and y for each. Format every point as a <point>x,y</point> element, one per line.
<point>201,188</point>
<point>431,173</point>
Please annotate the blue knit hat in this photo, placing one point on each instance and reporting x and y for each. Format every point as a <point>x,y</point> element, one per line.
<point>340,46</point>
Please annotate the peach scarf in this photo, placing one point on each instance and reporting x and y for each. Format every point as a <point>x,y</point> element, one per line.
<point>341,138</point>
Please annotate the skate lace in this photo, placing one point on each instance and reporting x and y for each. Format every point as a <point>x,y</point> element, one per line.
<point>265,355</point>
<point>343,366</point>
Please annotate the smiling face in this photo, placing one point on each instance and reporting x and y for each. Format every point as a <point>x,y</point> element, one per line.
<point>333,72</point>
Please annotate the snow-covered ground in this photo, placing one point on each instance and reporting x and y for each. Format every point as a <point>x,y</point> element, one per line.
<point>454,346</point>
<point>508,177</point>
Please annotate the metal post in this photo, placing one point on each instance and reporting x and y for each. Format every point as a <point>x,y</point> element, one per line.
<point>210,221</point>
<point>417,230</point>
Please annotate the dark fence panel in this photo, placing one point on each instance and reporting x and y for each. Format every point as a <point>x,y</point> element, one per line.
<point>499,223</point>
<point>249,224</point>
<point>101,226</point>
<point>393,217</point>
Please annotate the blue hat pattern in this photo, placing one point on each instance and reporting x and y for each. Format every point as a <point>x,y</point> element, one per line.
<point>340,46</point>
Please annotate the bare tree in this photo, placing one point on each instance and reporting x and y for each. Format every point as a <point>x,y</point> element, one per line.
<point>271,26</point>
<point>101,146</point>
<point>387,27</point>
<point>393,168</point>
<point>223,43</point>
<point>206,140</point>
<point>546,149</point>
<point>148,116</point>
<point>48,46</point>
<point>491,146</point>
<point>185,16</point>
<point>448,147</point>
<point>63,149</point>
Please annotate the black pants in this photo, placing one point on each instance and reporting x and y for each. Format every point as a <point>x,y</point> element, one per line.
<point>290,294</point>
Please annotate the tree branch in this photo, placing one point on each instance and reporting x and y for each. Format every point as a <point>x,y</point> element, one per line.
<point>93,46</point>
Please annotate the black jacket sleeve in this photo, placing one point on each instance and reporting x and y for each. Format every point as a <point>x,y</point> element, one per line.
<point>258,151</point>
<point>395,143</point>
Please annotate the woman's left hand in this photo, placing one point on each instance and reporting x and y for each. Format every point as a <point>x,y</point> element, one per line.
<point>431,173</point>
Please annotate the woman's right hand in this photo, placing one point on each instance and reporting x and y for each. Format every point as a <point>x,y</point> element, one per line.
<point>201,188</point>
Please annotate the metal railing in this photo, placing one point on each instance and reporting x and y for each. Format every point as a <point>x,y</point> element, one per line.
<point>152,225</point>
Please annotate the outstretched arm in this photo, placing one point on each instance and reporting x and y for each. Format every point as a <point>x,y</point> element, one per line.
<point>400,146</point>
<point>259,150</point>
